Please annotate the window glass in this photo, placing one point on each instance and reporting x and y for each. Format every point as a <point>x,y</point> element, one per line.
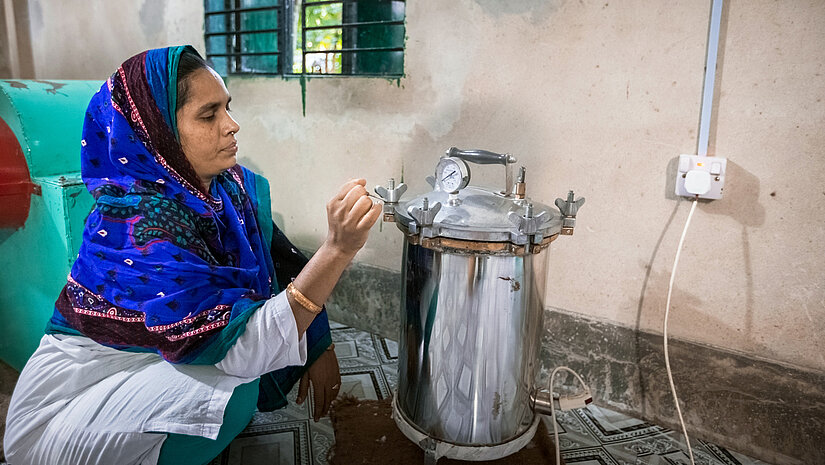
<point>320,37</point>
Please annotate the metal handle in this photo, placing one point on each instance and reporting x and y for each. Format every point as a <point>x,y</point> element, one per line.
<point>481,157</point>
<point>485,157</point>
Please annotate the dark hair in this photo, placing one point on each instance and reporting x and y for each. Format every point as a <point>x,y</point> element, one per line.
<point>188,64</point>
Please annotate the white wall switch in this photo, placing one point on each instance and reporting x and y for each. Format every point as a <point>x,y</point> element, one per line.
<point>702,176</point>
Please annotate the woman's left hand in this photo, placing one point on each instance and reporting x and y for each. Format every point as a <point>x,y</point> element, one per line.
<point>326,383</point>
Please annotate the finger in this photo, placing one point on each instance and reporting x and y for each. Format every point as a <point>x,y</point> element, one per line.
<point>371,217</point>
<point>355,193</point>
<point>349,185</point>
<point>303,386</point>
<point>328,397</point>
<point>344,189</point>
<point>361,207</point>
<point>336,389</point>
<point>319,394</point>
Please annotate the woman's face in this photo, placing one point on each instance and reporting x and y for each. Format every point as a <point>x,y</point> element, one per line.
<point>206,129</point>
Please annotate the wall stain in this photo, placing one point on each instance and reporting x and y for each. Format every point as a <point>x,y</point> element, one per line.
<point>55,86</point>
<point>538,10</point>
<point>303,80</point>
<point>17,84</point>
<point>151,13</point>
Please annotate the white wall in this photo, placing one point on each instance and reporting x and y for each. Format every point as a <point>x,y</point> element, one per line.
<point>595,96</point>
<point>81,39</point>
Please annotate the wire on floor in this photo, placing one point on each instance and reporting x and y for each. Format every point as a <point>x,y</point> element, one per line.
<point>585,399</point>
<point>667,313</point>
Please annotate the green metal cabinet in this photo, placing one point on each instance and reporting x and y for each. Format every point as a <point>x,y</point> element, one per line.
<point>47,118</point>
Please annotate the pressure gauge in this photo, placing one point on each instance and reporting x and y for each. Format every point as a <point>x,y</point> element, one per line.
<point>452,174</point>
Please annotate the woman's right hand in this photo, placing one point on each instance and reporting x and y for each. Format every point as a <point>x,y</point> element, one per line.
<point>350,215</point>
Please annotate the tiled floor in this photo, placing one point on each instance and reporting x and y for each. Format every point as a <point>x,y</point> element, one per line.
<point>369,365</point>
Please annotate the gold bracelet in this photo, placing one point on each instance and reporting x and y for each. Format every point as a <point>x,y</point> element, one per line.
<point>302,299</point>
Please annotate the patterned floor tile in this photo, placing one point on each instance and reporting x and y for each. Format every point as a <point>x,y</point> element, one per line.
<point>323,437</point>
<point>609,427</point>
<point>355,348</point>
<point>369,370</point>
<point>282,437</point>
<point>271,444</point>
<point>387,349</point>
<point>727,457</point>
<point>589,456</point>
<point>594,433</point>
<point>390,371</point>
<point>336,325</point>
<point>364,383</point>
<point>291,412</point>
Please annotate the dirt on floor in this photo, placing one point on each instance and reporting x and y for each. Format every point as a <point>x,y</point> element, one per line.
<point>365,433</point>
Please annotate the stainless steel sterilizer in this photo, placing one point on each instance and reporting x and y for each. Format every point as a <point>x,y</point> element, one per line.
<point>472,304</point>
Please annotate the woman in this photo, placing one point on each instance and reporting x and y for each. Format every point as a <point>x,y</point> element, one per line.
<point>186,308</point>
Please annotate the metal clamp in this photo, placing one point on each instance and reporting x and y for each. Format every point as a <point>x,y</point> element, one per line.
<point>568,209</point>
<point>424,216</point>
<point>528,224</point>
<point>391,195</point>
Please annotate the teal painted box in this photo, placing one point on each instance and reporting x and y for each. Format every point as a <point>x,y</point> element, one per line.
<point>47,119</point>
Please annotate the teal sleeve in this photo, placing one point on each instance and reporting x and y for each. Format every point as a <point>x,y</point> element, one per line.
<point>264,208</point>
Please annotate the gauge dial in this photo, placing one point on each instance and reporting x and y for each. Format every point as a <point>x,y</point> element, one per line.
<point>452,174</point>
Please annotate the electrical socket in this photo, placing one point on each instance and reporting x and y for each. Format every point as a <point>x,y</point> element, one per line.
<point>702,176</point>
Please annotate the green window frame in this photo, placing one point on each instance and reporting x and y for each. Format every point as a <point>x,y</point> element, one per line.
<point>306,37</point>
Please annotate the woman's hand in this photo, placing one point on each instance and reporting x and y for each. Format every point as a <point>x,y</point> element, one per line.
<point>326,383</point>
<point>350,215</point>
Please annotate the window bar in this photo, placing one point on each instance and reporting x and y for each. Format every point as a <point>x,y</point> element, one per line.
<point>352,50</point>
<point>243,54</point>
<point>304,28</point>
<point>329,2</point>
<point>233,35</point>
<point>230,9</point>
<point>284,38</point>
<point>365,23</point>
<point>258,31</point>
<point>356,50</point>
<point>325,2</point>
<point>303,38</point>
<point>227,42</point>
<point>237,37</point>
<point>349,14</point>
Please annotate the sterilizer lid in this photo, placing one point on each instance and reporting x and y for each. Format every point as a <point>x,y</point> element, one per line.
<point>478,215</point>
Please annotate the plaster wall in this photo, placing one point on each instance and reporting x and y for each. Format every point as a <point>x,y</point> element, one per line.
<point>15,41</point>
<point>600,97</point>
<point>79,39</point>
<point>6,56</point>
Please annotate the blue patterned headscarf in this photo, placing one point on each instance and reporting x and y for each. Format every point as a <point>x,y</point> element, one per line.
<point>165,266</point>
